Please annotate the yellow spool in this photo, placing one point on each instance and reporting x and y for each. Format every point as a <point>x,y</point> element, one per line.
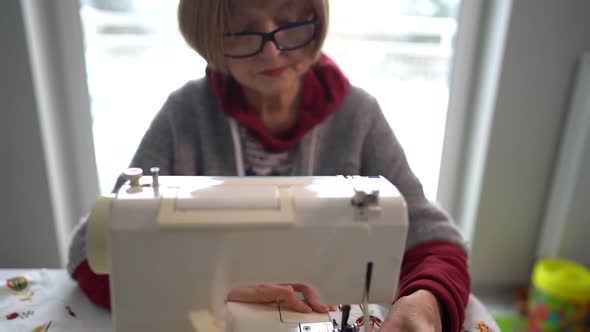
<point>564,279</point>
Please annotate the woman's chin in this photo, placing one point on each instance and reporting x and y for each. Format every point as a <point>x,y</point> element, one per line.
<point>274,88</point>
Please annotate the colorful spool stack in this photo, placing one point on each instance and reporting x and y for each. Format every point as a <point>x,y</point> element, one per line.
<point>560,297</point>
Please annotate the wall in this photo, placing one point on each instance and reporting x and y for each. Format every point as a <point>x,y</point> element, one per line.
<point>566,223</point>
<point>27,232</point>
<point>544,43</point>
<point>50,169</point>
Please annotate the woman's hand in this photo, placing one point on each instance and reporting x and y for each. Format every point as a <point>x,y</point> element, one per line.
<point>417,312</point>
<point>287,293</point>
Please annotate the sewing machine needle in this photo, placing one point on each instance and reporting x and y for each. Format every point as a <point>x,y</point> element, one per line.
<point>366,318</point>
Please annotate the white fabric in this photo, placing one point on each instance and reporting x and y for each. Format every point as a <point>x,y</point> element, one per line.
<point>46,300</point>
<point>51,297</point>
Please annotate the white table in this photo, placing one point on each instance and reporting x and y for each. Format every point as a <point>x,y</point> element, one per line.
<point>45,301</point>
<point>52,301</point>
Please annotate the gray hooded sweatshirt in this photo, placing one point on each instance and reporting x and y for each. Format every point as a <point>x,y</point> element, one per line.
<point>191,135</point>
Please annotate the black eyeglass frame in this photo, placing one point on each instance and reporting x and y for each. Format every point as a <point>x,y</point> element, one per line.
<point>270,36</point>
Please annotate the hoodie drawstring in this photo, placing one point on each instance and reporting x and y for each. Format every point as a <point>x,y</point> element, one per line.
<point>237,148</point>
<point>312,148</point>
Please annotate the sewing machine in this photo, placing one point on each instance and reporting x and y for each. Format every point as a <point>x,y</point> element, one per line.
<point>175,245</point>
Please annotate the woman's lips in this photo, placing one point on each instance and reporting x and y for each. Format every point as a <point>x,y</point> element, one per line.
<point>274,72</point>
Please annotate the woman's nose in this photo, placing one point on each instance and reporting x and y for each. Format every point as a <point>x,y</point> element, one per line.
<point>270,49</point>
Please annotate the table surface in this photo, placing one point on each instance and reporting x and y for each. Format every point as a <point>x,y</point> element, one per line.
<point>48,300</point>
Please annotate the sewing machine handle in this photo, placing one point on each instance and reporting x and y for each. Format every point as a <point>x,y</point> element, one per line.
<point>172,217</point>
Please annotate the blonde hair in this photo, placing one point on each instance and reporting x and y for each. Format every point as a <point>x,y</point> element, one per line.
<point>202,23</point>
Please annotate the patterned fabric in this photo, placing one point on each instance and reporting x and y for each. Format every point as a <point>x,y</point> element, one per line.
<point>261,161</point>
<point>31,302</point>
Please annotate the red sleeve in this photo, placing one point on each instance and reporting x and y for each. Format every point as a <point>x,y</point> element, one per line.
<point>95,286</point>
<point>441,268</point>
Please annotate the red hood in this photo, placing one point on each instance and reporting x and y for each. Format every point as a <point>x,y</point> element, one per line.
<point>324,88</point>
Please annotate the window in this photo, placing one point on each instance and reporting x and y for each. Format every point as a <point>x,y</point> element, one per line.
<point>399,51</point>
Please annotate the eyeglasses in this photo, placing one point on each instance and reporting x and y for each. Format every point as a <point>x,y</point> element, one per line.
<point>286,38</point>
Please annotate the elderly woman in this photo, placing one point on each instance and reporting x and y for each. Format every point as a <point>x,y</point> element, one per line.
<point>272,104</point>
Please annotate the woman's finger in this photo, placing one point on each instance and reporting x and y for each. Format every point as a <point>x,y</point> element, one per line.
<point>311,297</point>
<point>287,294</point>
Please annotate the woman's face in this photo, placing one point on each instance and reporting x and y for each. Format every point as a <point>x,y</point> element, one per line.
<point>271,72</point>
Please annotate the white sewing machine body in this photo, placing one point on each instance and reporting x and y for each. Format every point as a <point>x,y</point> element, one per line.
<point>174,250</point>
